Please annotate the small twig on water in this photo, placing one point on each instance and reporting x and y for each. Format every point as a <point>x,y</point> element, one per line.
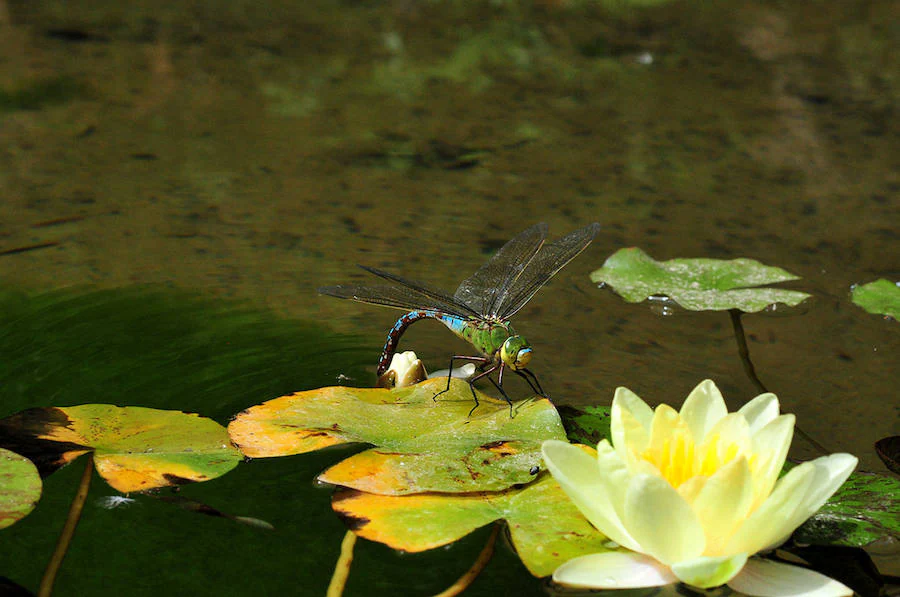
<point>463,582</point>
<point>25,249</point>
<point>65,538</point>
<point>342,567</point>
<point>744,353</point>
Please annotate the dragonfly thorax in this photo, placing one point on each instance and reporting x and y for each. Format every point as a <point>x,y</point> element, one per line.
<point>515,352</point>
<point>495,339</point>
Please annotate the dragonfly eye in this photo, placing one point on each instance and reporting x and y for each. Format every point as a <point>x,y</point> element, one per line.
<point>516,352</point>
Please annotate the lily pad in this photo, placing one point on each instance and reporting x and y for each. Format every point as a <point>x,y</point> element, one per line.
<point>586,424</point>
<point>863,511</point>
<point>881,297</point>
<point>424,442</point>
<point>545,526</point>
<point>20,487</point>
<point>888,449</point>
<point>697,284</point>
<point>135,448</point>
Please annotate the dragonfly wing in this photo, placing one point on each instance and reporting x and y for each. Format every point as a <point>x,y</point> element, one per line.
<point>551,258</point>
<point>398,297</point>
<point>487,289</point>
<point>408,295</point>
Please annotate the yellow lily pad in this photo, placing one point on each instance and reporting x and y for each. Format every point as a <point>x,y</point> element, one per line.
<point>423,443</point>
<point>20,487</point>
<point>545,526</point>
<point>135,448</point>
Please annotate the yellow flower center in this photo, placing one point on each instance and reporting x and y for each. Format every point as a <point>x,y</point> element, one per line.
<point>678,458</point>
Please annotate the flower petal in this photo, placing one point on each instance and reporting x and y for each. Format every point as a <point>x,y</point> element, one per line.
<point>613,570</point>
<point>670,444</point>
<point>706,572</point>
<point>771,445</point>
<point>726,439</point>
<point>764,578</point>
<point>703,408</point>
<point>690,489</point>
<point>760,411</point>
<point>594,485</point>
<point>661,521</point>
<point>723,504</point>
<point>768,522</point>
<point>630,421</point>
<point>628,400</point>
<point>830,473</point>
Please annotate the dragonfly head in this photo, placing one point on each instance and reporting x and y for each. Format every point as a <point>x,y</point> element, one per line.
<point>516,352</point>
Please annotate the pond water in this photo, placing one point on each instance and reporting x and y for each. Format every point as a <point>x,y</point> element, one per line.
<point>256,151</point>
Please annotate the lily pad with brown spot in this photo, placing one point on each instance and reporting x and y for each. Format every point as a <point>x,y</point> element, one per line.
<point>135,448</point>
<point>422,443</point>
<point>20,487</point>
<point>545,526</point>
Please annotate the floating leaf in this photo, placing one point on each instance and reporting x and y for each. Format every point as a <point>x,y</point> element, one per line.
<point>135,448</point>
<point>864,510</point>
<point>546,527</point>
<point>423,443</point>
<point>697,284</point>
<point>586,424</point>
<point>888,449</point>
<point>881,297</point>
<point>20,487</point>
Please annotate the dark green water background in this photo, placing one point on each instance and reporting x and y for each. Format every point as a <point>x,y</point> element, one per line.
<point>257,150</point>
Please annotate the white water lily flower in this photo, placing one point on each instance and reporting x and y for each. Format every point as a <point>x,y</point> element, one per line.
<point>465,372</point>
<point>693,494</point>
<point>405,370</point>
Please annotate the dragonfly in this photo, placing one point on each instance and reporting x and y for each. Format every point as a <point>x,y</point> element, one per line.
<point>480,309</point>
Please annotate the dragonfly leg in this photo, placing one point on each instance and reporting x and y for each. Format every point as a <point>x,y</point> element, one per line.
<point>487,374</point>
<point>481,360</point>
<point>532,380</point>
<point>475,397</point>
<point>499,386</point>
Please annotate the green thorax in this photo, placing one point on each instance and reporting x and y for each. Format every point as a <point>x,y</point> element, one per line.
<point>487,336</point>
<point>495,339</point>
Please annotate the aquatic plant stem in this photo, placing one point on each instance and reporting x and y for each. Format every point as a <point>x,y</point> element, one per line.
<point>743,351</point>
<point>65,537</point>
<point>342,567</point>
<point>463,582</point>
<point>750,370</point>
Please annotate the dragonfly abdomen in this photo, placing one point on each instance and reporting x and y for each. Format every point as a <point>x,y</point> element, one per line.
<point>486,337</point>
<point>393,338</point>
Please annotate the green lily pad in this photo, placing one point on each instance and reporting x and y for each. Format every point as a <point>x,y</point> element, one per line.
<point>697,284</point>
<point>135,448</point>
<point>545,526</point>
<point>423,443</point>
<point>864,510</point>
<point>20,487</point>
<point>881,297</point>
<point>586,424</point>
